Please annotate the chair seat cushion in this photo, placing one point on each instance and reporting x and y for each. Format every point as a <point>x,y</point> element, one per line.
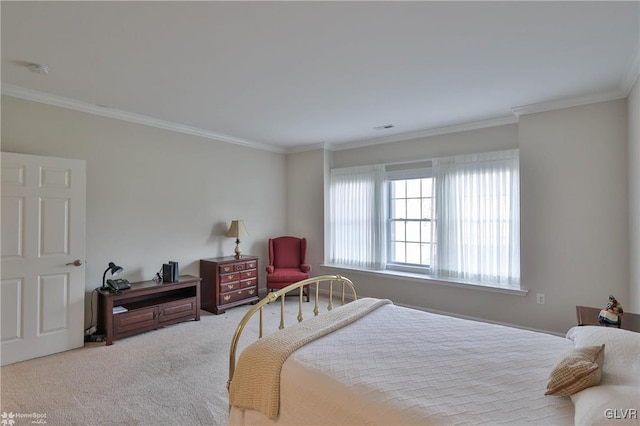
<point>287,275</point>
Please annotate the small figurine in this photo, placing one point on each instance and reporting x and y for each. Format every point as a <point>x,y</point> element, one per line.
<point>612,313</point>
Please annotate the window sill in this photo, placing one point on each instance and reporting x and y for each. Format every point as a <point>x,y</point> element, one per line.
<point>514,290</point>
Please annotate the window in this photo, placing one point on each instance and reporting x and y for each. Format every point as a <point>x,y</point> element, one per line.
<point>458,220</point>
<point>477,209</point>
<point>410,220</point>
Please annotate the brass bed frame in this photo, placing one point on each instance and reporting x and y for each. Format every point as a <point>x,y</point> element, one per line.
<point>330,280</point>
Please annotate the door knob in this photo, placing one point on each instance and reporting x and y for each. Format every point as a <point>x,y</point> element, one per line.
<point>76,262</point>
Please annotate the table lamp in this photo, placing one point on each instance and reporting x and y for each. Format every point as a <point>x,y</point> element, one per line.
<point>115,270</point>
<point>237,230</point>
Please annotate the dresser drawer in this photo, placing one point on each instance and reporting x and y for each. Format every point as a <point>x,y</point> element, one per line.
<point>237,295</point>
<point>226,268</point>
<point>248,274</point>
<point>229,278</point>
<point>224,288</point>
<point>252,264</point>
<point>251,282</point>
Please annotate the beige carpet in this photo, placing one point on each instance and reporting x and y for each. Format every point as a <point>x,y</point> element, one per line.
<point>172,376</point>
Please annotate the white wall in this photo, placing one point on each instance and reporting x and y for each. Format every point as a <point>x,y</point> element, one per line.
<point>574,215</point>
<point>575,212</point>
<point>154,195</point>
<point>304,189</point>
<point>634,195</point>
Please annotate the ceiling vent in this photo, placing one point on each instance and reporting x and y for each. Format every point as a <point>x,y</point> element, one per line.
<point>385,127</point>
<point>37,68</point>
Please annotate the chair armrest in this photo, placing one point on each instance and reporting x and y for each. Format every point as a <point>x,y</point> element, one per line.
<point>270,269</point>
<point>305,267</point>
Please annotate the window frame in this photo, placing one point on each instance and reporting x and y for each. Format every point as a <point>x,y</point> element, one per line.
<point>395,175</point>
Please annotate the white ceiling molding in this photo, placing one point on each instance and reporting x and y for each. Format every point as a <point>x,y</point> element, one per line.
<point>567,103</point>
<point>632,74</point>
<point>306,148</point>
<point>59,101</point>
<point>426,133</point>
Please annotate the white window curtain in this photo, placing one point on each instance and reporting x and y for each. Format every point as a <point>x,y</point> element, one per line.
<point>477,217</point>
<point>357,217</point>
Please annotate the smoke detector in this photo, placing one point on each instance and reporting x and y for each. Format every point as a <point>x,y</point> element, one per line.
<point>37,68</point>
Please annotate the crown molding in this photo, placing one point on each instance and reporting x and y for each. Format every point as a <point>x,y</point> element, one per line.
<point>567,103</point>
<point>632,75</point>
<point>306,148</point>
<point>426,133</point>
<point>68,103</point>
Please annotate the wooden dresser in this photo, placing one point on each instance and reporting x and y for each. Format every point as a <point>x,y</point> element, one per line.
<point>228,282</point>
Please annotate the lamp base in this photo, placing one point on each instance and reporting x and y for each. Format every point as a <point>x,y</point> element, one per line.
<point>237,250</point>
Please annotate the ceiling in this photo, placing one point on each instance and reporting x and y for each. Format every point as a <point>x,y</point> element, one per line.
<point>288,76</point>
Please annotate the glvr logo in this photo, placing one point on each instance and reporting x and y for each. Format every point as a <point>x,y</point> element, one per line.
<point>621,413</point>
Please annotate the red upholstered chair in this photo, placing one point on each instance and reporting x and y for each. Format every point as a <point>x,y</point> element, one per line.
<point>287,263</point>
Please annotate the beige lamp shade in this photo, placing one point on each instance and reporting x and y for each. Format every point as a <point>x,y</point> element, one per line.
<point>237,230</point>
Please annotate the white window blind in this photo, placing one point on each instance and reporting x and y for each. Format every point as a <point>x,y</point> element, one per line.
<point>477,217</point>
<point>357,220</point>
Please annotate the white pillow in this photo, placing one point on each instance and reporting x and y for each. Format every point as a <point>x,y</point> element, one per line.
<point>607,404</point>
<point>622,352</point>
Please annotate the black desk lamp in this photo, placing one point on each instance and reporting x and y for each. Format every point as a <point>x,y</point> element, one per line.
<point>115,270</point>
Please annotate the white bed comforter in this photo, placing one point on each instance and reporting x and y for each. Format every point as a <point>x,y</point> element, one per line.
<point>402,366</point>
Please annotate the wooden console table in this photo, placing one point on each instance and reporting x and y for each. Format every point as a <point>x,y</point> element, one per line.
<point>149,305</point>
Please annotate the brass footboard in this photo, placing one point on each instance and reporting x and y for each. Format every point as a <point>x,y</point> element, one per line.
<point>344,283</point>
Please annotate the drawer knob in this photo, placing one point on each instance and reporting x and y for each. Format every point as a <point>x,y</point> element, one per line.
<point>227,297</point>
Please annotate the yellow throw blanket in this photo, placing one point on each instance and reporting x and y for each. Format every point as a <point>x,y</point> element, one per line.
<point>256,381</point>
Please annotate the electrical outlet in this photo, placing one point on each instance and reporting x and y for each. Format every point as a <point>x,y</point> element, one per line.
<point>540,298</point>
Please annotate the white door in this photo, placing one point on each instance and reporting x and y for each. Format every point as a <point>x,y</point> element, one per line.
<point>43,234</point>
